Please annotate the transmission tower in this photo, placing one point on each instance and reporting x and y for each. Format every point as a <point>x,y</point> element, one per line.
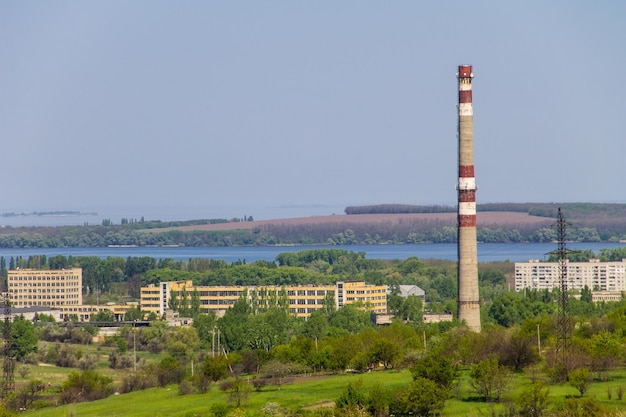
<point>564,321</point>
<point>8,363</point>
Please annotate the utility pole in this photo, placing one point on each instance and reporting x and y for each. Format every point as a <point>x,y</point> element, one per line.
<point>134,347</point>
<point>8,364</point>
<point>538,340</point>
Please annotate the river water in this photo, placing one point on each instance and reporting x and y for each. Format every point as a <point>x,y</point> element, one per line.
<point>487,252</point>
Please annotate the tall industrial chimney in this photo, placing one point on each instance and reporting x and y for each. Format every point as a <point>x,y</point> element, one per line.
<point>469,302</point>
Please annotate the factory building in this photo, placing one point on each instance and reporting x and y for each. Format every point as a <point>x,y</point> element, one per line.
<point>39,287</point>
<point>302,300</point>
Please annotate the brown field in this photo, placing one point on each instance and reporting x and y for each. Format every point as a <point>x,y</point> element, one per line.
<point>484,219</point>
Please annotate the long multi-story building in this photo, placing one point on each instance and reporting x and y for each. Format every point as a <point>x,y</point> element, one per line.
<point>41,287</point>
<point>302,299</point>
<point>596,275</point>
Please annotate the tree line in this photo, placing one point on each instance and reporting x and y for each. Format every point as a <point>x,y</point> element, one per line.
<point>590,223</point>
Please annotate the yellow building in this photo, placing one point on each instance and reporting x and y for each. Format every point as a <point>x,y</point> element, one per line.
<point>85,311</point>
<point>302,299</point>
<point>38,287</point>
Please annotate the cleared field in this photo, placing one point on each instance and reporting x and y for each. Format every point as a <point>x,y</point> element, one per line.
<point>484,219</point>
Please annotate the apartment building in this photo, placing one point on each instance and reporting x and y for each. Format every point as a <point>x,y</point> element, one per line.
<point>302,299</point>
<point>38,287</point>
<point>596,275</point>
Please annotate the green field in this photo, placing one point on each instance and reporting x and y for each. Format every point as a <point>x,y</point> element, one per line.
<point>313,392</point>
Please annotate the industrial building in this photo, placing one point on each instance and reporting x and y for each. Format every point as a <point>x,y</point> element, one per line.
<point>301,299</point>
<point>41,287</point>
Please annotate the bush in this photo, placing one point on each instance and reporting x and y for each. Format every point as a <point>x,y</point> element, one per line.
<point>85,386</point>
<point>144,379</point>
<point>220,410</point>
<point>119,360</point>
<point>185,388</point>
<point>201,382</point>
<point>88,363</point>
<point>259,383</point>
<point>67,356</point>
<point>169,371</point>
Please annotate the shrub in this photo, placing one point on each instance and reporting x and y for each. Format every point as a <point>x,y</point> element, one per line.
<point>85,386</point>
<point>144,379</point>
<point>119,360</point>
<point>185,388</point>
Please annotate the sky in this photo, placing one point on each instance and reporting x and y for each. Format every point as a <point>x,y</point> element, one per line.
<point>285,108</point>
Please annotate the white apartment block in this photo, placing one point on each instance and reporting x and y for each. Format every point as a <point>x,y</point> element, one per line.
<point>39,287</point>
<point>596,275</point>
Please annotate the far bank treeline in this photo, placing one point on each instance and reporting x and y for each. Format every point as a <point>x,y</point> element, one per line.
<point>588,223</point>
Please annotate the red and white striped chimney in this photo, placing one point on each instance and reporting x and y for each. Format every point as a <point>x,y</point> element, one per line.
<point>468,301</point>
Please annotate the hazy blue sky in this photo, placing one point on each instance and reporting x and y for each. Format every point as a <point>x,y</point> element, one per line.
<point>251,106</point>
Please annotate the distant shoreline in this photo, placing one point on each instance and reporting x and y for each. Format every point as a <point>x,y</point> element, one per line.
<point>60,213</point>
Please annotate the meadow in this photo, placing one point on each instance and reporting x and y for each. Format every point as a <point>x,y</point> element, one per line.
<point>317,391</point>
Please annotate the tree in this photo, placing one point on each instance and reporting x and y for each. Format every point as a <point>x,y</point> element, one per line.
<point>133,314</point>
<point>423,397</point>
<point>351,318</point>
<point>517,349</point>
<point>437,367</point>
<point>606,352</point>
<point>237,389</point>
<point>579,379</point>
<point>533,401</point>
<point>352,397</point>
<point>411,309</point>
<point>23,338</point>
<point>205,327</point>
<point>103,316</point>
<point>169,371</point>
<point>277,372</point>
<point>385,351</point>
<point>378,401</point>
<point>182,343</point>
<point>316,326</point>
<point>195,303</point>
<point>232,326</point>
<point>489,379</point>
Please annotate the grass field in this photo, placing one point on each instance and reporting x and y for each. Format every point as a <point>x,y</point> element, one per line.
<point>312,392</point>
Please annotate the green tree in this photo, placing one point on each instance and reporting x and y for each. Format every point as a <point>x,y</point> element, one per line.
<point>216,368</point>
<point>205,327</point>
<point>385,351</point>
<point>352,397</point>
<point>411,309</point>
<point>23,338</point>
<point>233,326</point>
<point>533,401</point>
<point>378,401</point>
<point>489,379</point>
<point>437,367</point>
<point>579,379</point>
<point>103,316</point>
<point>133,314</point>
<point>423,397</point>
<point>182,343</point>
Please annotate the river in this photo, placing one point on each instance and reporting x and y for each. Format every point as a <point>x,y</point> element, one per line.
<point>487,252</point>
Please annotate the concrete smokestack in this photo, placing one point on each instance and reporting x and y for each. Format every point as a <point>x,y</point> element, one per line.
<point>469,301</point>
